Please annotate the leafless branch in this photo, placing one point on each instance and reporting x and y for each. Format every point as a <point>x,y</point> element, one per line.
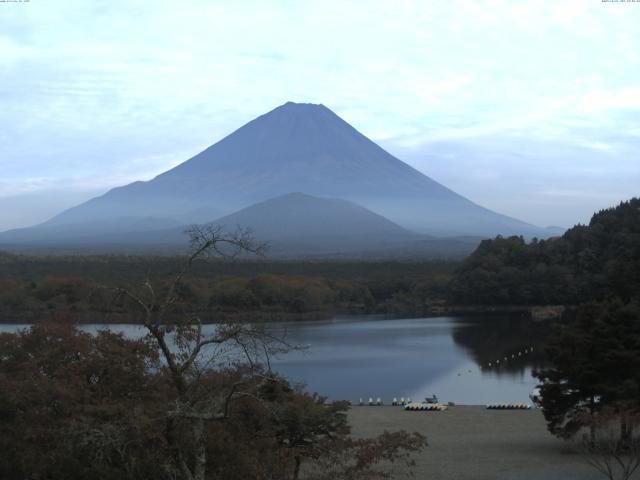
<point>607,450</point>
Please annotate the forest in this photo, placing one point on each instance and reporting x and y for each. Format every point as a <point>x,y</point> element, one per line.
<point>589,262</point>
<point>34,288</point>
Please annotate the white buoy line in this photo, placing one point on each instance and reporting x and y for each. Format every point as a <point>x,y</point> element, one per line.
<point>513,356</point>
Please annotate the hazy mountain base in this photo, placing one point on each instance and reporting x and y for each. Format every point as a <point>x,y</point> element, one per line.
<point>294,148</point>
<point>301,248</point>
<point>294,226</point>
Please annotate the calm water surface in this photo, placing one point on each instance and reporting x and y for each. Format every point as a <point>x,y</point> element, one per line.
<point>362,356</point>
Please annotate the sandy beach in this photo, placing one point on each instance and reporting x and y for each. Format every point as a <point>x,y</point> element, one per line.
<point>471,442</point>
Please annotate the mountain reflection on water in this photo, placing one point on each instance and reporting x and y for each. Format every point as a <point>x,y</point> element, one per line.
<point>362,357</point>
<point>489,340</point>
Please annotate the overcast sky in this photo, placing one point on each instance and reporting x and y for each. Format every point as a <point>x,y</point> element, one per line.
<point>531,108</point>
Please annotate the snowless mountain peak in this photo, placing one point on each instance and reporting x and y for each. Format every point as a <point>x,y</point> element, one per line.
<point>298,147</point>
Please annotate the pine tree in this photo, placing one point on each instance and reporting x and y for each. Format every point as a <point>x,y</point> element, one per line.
<point>595,365</point>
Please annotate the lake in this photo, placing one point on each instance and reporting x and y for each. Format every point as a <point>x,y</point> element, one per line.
<point>455,358</point>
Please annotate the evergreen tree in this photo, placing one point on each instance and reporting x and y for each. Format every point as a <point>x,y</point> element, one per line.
<point>595,365</point>
<point>592,262</point>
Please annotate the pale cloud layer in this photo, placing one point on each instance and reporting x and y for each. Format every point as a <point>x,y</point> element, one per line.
<point>530,108</point>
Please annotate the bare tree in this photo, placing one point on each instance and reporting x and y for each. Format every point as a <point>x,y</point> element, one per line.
<point>190,353</point>
<point>613,445</point>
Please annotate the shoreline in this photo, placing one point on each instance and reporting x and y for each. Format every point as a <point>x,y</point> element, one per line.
<point>470,442</point>
<point>533,312</point>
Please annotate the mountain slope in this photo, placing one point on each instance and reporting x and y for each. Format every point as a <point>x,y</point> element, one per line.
<point>305,148</point>
<point>295,147</point>
<point>53,233</point>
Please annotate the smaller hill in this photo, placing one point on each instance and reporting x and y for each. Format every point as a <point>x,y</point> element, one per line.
<point>297,224</point>
<point>296,215</point>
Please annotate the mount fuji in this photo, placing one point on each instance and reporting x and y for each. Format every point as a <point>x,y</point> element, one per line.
<point>296,147</point>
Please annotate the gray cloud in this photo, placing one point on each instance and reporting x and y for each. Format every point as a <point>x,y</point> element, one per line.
<point>548,182</point>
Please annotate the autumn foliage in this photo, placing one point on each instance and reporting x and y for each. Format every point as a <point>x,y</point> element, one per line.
<point>75,405</point>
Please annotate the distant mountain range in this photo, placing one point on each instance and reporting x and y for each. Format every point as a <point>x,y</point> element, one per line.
<point>355,197</point>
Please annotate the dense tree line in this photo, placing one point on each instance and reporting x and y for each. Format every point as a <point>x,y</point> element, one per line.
<point>588,262</point>
<point>34,288</point>
<point>109,268</point>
